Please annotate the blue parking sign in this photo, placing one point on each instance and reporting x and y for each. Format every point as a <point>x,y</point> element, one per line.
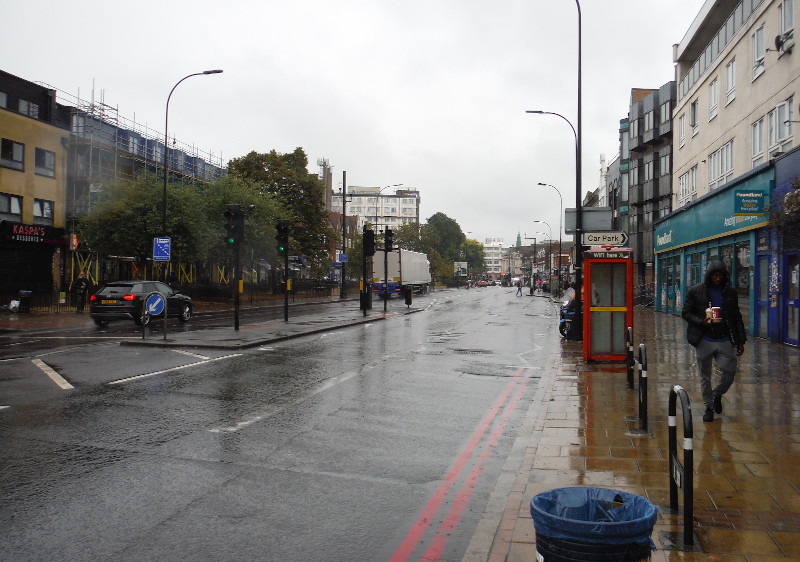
<point>162,249</point>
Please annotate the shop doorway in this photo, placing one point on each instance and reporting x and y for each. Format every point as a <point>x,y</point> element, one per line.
<point>761,328</point>
<point>791,299</point>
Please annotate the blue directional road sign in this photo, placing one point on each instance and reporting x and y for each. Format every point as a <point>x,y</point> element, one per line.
<point>162,249</point>
<point>154,304</point>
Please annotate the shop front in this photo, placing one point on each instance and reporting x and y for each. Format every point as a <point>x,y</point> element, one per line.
<point>32,258</point>
<point>727,225</point>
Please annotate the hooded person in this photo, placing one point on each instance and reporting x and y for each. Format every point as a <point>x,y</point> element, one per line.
<point>716,330</point>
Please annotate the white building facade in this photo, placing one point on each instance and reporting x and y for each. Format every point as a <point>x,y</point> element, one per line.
<point>381,210</point>
<point>493,250</point>
<point>736,78</point>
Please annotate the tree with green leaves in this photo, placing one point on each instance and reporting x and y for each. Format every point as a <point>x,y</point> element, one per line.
<point>473,255</point>
<point>128,215</point>
<point>299,193</point>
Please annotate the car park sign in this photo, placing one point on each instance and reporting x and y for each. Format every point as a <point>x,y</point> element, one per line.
<point>162,249</point>
<point>609,238</point>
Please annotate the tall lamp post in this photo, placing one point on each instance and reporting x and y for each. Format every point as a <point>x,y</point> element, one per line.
<point>550,248</point>
<point>576,333</point>
<point>560,225</point>
<point>166,147</point>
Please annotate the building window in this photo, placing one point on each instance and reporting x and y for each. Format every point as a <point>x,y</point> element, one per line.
<point>10,207</point>
<point>12,154</point>
<point>648,171</point>
<point>3,100</point>
<point>633,131</point>
<point>648,121</point>
<point>693,114</point>
<point>45,164</point>
<point>712,99</point>
<point>29,108</point>
<point>666,113</point>
<point>758,142</point>
<point>663,165</point>
<point>42,212</point>
<point>780,128</point>
<point>682,130</point>
<point>720,166</point>
<point>787,18</point>
<point>730,81</point>
<point>759,51</point>
<point>688,186</point>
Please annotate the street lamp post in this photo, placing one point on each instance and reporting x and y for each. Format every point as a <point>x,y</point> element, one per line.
<point>550,248</point>
<point>166,147</point>
<point>576,333</point>
<point>560,224</point>
<point>378,200</point>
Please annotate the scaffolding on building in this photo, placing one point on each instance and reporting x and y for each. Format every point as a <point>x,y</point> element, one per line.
<point>106,146</point>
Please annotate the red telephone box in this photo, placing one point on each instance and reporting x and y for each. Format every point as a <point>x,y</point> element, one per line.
<point>608,302</point>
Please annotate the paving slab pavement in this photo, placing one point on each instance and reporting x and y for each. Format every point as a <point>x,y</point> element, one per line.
<point>584,430</point>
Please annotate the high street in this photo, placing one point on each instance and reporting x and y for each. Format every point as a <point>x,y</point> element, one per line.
<point>421,433</point>
<point>382,437</point>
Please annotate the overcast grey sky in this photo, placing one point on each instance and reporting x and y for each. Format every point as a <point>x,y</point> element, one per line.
<point>431,94</point>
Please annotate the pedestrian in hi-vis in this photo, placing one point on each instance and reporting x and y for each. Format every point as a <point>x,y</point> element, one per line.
<point>716,331</point>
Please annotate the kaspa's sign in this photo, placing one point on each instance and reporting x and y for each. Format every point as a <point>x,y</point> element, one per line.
<point>748,202</point>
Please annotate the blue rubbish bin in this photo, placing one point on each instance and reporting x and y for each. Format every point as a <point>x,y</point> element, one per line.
<point>594,524</point>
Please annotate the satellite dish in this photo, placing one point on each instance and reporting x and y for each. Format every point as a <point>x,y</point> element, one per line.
<point>778,42</point>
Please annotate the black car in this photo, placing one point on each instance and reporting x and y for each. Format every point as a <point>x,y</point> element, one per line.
<point>124,300</point>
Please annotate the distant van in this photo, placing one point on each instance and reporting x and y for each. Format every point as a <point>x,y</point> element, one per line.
<point>514,281</point>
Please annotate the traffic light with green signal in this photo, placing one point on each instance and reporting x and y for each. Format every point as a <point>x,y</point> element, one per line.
<point>234,224</point>
<point>282,237</point>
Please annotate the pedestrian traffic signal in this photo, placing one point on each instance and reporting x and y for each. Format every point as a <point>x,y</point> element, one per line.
<point>369,242</point>
<point>234,224</point>
<point>388,238</point>
<point>282,236</point>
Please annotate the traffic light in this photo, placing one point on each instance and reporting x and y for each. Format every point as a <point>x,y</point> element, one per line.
<point>388,238</point>
<point>369,242</point>
<point>282,236</point>
<point>234,224</point>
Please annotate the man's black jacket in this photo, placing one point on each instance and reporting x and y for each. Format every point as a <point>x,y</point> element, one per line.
<point>696,302</point>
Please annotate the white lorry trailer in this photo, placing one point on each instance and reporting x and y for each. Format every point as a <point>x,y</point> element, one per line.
<point>404,270</point>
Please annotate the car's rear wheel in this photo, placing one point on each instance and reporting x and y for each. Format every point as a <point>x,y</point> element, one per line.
<point>100,322</point>
<point>186,312</point>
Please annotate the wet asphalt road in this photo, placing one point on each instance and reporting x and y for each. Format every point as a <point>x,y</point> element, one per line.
<point>376,442</point>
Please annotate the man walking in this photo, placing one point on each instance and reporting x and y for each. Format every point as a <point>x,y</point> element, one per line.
<point>716,330</point>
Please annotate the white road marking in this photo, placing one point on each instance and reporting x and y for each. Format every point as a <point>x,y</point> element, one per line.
<point>4,407</point>
<point>154,373</point>
<point>55,377</point>
<point>190,354</point>
<point>273,409</point>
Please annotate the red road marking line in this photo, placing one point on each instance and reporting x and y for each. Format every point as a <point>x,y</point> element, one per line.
<point>464,494</point>
<point>426,517</point>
